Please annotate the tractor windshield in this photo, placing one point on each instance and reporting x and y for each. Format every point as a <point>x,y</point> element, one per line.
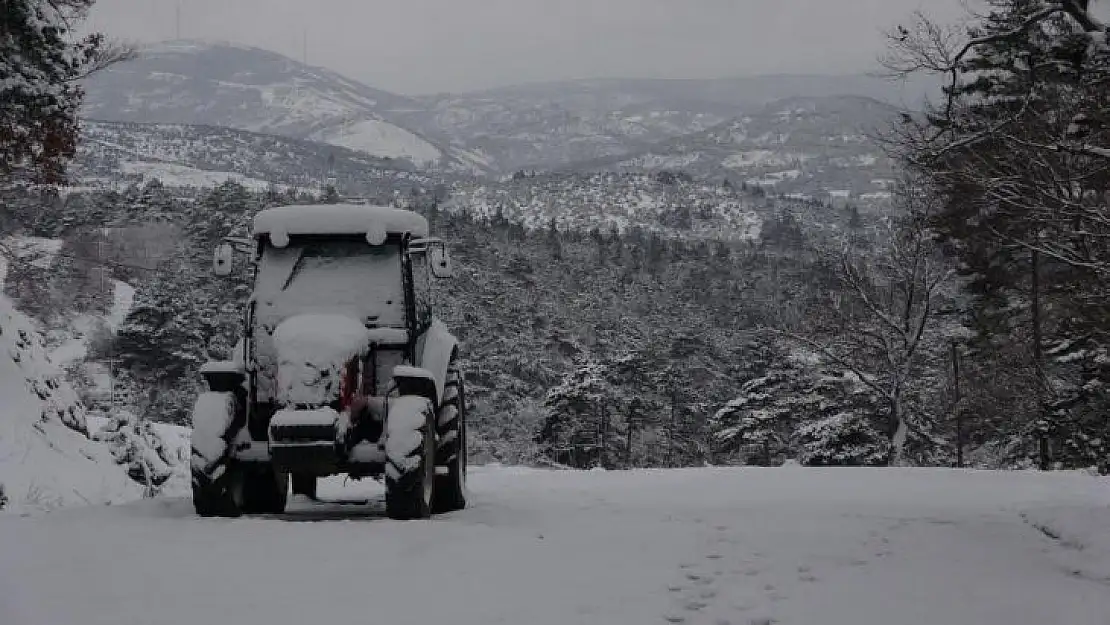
<point>339,276</point>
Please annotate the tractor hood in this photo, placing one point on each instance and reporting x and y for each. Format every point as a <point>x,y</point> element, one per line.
<point>311,352</point>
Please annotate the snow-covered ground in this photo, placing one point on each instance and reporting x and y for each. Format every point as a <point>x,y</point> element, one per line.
<point>174,175</point>
<point>77,346</point>
<point>37,251</point>
<point>46,460</point>
<point>715,546</point>
<point>381,139</point>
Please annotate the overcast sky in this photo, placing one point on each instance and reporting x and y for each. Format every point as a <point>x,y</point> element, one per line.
<point>424,46</point>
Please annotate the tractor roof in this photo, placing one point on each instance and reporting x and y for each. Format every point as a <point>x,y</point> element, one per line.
<point>338,219</point>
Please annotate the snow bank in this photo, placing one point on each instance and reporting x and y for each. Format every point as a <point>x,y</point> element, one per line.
<point>174,444</point>
<point>138,446</point>
<point>47,460</point>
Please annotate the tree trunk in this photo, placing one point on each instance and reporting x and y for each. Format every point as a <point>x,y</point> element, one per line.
<point>1038,358</point>
<point>899,432</point>
<point>959,414</point>
<point>628,443</point>
<point>604,462</point>
<point>671,430</point>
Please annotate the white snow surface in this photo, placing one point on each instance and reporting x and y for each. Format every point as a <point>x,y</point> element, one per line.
<point>322,416</point>
<point>312,350</point>
<point>382,139</point>
<point>174,175</point>
<point>46,459</point>
<point>742,546</point>
<point>37,251</point>
<point>77,346</point>
<point>338,219</point>
<point>177,440</point>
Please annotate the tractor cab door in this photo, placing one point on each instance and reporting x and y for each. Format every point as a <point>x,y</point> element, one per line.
<point>429,263</point>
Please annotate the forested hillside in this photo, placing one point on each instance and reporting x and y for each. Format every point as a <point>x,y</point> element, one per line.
<point>671,339</point>
<point>533,306</point>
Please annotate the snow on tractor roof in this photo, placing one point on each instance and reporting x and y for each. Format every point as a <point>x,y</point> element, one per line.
<point>282,221</point>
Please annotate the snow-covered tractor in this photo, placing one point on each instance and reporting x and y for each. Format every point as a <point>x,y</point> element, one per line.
<point>343,368</point>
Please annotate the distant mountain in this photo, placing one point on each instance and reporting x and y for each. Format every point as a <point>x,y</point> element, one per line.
<point>822,147</point>
<point>186,82</point>
<point>549,125</point>
<point>201,156</point>
<point>546,126</point>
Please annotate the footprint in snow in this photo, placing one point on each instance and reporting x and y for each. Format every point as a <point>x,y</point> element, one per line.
<point>695,606</point>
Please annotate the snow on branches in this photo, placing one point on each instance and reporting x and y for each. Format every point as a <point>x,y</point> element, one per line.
<point>40,65</point>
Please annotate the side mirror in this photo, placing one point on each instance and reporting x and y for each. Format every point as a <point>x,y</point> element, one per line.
<point>440,261</point>
<point>221,260</point>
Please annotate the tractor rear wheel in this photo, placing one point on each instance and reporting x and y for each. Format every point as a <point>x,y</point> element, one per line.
<point>410,458</point>
<point>450,490</point>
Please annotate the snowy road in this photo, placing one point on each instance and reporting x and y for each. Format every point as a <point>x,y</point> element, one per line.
<point>788,546</point>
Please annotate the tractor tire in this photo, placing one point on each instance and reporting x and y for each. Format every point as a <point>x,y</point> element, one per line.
<point>221,486</point>
<point>410,458</point>
<point>242,489</point>
<point>215,477</point>
<point>219,498</point>
<point>265,490</point>
<point>450,488</point>
<point>304,484</point>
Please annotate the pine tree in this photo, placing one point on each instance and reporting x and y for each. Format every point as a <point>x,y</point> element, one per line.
<point>1016,146</point>
<point>577,429</point>
<point>840,427</point>
<point>757,426</point>
<point>40,63</point>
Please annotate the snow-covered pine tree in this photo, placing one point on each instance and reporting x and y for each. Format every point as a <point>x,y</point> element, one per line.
<point>757,426</point>
<point>840,428</point>
<point>140,450</point>
<point>41,60</point>
<point>578,430</point>
<point>1024,108</point>
<point>161,343</point>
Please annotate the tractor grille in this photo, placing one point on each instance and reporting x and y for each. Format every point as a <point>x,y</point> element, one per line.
<point>298,433</point>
